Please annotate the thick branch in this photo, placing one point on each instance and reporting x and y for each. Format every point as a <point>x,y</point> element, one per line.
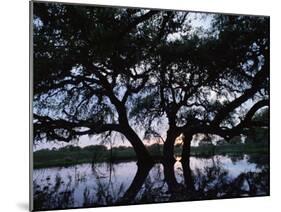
<point>45,124</point>
<point>201,127</point>
<point>248,118</point>
<point>256,86</point>
<point>131,90</point>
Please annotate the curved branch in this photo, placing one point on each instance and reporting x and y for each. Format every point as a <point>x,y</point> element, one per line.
<point>131,90</point>
<point>45,124</point>
<point>256,86</point>
<point>248,118</point>
<point>226,132</point>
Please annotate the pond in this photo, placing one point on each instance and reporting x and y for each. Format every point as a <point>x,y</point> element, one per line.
<point>93,185</point>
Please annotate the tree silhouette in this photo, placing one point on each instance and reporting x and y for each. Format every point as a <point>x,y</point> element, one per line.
<point>88,62</point>
<point>213,84</point>
<point>243,76</point>
<point>102,70</point>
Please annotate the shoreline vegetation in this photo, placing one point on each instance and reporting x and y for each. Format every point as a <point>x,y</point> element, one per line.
<point>71,155</point>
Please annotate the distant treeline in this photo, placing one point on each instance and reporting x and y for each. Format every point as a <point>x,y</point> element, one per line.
<point>70,155</point>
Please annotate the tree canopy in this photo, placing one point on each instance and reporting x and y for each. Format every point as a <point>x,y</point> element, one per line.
<point>101,70</point>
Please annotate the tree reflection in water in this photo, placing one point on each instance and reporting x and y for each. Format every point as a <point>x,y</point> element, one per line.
<point>158,183</point>
<point>49,195</point>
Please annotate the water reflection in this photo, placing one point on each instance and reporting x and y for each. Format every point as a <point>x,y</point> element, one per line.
<point>90,185</point>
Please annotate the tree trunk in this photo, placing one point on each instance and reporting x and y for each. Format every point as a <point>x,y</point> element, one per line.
<point>169,160</point>
<point>185,160</point>
<point>187,173</point>
<point>143,156</point>
<point>168,148</point>
<point>170,178</point>
<point>186,147</point>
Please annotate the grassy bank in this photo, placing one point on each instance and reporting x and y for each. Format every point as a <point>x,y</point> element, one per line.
<point>71,155</point>
<point>230,149</point>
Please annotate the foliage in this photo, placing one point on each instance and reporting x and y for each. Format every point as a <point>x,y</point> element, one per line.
<point>99,70</point>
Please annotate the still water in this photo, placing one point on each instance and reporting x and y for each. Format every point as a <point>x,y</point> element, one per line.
<point>90,185</point>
